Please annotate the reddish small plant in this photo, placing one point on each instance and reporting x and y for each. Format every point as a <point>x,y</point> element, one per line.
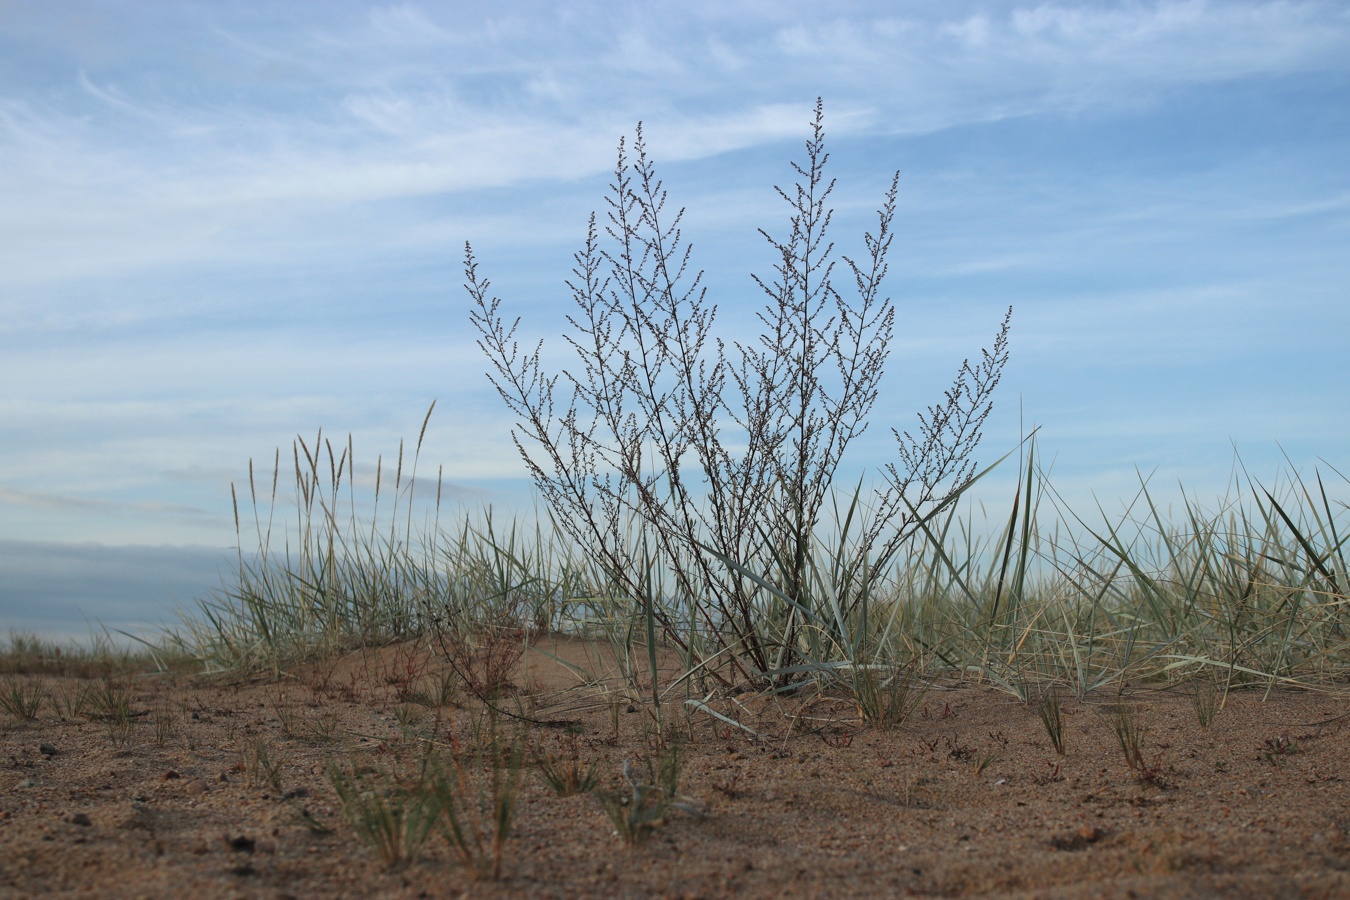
<point>404,672</point>
<point>837,738</point>
<point>729,788</point>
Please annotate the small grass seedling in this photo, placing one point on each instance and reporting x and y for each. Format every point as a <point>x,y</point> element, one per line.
<point>1047,707</point>
<point>564,771</point>
<point>1207,699</point>
<point>393,814</point>
<point>885,698</point>
<point>1278,748</point>
<point>23,699</point>
<point>261,766</point>
<point>641,806</point>
<point>112,704</point>
<point>1131,729</point>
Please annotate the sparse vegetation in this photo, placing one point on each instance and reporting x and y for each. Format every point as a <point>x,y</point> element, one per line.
<point>478,789</point>
<point>758,609</point>
<point>391,812</point>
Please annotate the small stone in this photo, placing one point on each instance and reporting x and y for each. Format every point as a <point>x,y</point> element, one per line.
<point>195,787</point>
<point>81,819</point>
<point>171,774</point>
<point>242,844</point>
<point>47,749</point>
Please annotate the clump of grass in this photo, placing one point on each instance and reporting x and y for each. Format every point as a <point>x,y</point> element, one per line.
<point>73,701</point>
<point>165,725</point>
<point>409,718</point>
<point>322,728</point>
<point>642,806</point>
<point>565,772</point>
<point>1206,698</point>
<point>261,766</point>
<point>112,705</point>
<point>885,696</point>
<point>1047,707</point>
<point>1131,729</point>
<point>393,814</point>
<point>287,715</point>
<point>23,699</point>
<point>479,807</point>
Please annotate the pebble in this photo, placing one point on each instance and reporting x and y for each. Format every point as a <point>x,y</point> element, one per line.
<point>195,787</point>
<point>47,749</point>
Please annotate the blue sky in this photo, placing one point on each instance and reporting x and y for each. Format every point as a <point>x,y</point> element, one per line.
<point>226,224</point>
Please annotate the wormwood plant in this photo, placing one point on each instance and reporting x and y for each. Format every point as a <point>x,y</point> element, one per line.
<point>697,469</point>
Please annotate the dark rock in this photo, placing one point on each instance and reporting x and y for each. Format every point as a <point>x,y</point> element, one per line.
<point>242,843</point>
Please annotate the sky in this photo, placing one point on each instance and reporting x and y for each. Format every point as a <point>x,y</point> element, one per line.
<point>223,225</point>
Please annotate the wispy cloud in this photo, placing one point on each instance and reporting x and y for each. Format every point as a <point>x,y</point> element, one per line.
<point>226,223</point>
<point>85,504</point>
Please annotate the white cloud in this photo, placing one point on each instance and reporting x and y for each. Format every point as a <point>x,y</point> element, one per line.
<point>222,222</point>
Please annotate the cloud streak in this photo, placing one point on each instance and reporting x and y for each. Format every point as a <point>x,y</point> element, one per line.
<point>228,223</point>
<point>402,101</point>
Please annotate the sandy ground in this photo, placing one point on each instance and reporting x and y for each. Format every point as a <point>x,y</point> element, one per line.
<point>219,788</point>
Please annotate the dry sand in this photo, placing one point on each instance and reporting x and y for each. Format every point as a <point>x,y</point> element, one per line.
<point>968,798</point>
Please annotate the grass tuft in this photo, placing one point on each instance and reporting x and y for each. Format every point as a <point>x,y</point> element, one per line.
<point>1047,707</point>
<point>23,699</point>
<point>641,806</point>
